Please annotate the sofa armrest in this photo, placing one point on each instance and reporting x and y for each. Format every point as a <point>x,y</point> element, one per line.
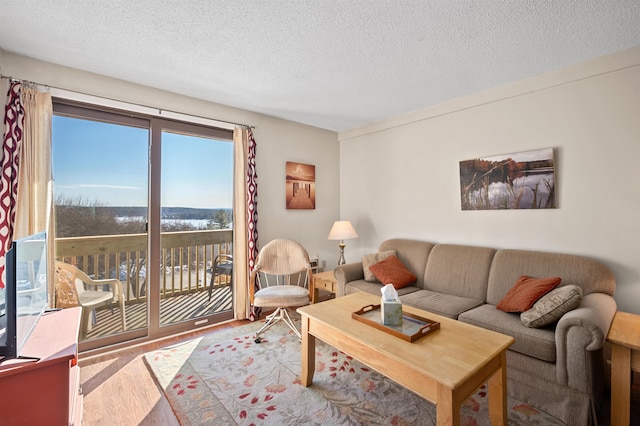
<point>347,273</point>
<point>579,332</point>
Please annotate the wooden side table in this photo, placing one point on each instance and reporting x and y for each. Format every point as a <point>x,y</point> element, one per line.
<point>323,281</point>
<point>624,336</point>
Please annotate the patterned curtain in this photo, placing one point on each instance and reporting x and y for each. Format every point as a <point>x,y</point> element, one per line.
<point>13,130</point>
<point>252,202</point>
<point>252,212</point>
<point>245,233</point>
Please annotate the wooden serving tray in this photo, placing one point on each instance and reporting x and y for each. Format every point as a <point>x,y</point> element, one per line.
<point>413,326</point>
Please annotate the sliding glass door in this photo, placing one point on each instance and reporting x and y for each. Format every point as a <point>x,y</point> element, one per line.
<point>146,202</point>
<point>197,226</point>
<point>100,169</point>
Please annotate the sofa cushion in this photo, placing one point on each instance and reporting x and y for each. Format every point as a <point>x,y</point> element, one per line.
<point>536,342</point>
<point>439,303</point>
<point>374,288</point>
<point>368,260</point>
<point>412,253</point>
<point>553,305</point>
<point>392,271</point>
<point>525,292</point>
<point>458,270</point>
<point>508,264</point>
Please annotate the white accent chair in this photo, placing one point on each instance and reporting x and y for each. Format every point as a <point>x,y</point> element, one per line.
<point>283,273</point>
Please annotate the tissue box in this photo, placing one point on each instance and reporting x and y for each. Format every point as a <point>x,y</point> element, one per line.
<point>391,312</point>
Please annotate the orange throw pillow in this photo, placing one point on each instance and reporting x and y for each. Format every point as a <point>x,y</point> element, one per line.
<point>526,291</point>
<point>392,271</point>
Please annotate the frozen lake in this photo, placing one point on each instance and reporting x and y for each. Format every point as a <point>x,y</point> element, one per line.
<point>196,223</point>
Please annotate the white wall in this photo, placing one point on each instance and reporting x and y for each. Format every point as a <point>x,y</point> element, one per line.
<point>400,177</point>
<point>277,141</point>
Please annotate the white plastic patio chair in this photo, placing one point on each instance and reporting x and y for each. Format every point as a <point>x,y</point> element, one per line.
<point>75,288</point>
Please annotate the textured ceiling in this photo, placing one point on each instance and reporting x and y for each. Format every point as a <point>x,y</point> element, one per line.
<point>334,64</point>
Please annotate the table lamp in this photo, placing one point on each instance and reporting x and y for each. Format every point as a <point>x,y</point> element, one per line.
<point>342,230</point>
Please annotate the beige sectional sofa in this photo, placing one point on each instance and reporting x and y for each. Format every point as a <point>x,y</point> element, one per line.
<point>558,368</point>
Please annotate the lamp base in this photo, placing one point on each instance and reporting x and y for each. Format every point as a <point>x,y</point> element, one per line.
<point>341,260</point>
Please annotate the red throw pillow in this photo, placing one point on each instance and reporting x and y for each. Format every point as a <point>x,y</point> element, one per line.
<point>526,292</point>
<point>392,271</point>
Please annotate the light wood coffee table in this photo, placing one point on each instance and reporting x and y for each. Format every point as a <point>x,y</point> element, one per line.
<point>444,367</point>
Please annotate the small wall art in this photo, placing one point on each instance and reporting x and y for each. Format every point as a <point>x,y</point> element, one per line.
<point>301,186</point>
<point>523,180</point>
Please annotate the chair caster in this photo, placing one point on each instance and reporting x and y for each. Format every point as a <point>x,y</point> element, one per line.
<point>258,340</point>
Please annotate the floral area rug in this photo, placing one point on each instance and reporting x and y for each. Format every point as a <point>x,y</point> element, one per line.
<point>224,378</point>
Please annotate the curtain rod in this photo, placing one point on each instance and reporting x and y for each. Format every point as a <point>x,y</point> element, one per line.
<point>160,110</point>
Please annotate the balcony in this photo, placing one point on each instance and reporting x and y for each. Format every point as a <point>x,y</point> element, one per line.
<point>187,258</point>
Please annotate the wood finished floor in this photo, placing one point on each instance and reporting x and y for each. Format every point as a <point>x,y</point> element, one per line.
<point>119,389</point>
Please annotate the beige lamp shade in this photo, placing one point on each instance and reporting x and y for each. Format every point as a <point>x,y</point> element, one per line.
<point>342,230</point>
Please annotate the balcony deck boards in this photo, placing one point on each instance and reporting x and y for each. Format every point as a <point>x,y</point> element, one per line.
<point>173,309</point>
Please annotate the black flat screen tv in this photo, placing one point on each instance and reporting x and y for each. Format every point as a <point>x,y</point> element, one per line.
<point>24,299</point>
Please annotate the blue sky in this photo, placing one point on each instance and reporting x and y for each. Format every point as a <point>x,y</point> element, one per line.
<point>108,163</point>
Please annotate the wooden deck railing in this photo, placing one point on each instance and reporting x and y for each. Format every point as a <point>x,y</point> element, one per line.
<point>186,259</point>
